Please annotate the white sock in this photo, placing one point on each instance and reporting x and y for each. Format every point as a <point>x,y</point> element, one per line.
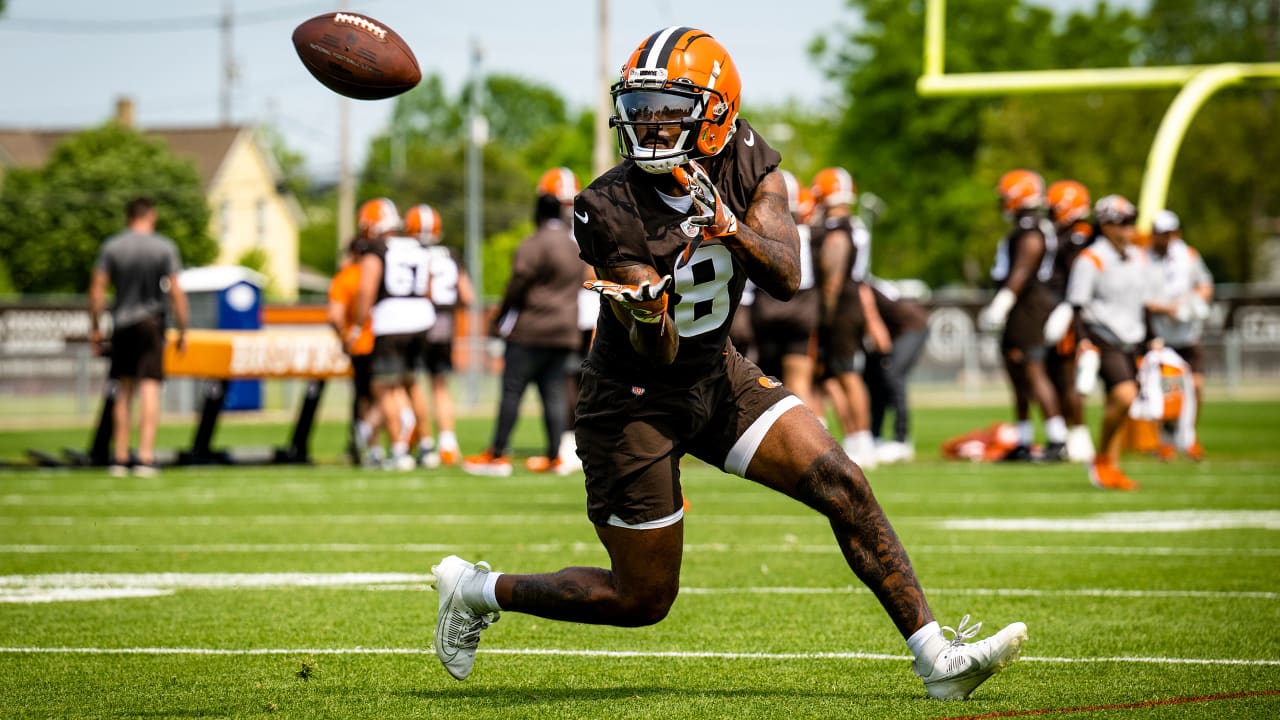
<point>482,594</point>
<point>1055,429</point>
<point>927,642</point>
<point>1026,434</point>
<point>427,444</point>
<point>400,448</point>
<point>448,440</point>
<point>408,421</point>
<point>364,430</point>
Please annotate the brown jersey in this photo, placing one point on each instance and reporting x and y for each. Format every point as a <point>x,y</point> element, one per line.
<point>620,220</point>
<point>1071,241</point>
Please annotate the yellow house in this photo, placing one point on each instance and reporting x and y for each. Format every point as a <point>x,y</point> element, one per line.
<point>249,207</point>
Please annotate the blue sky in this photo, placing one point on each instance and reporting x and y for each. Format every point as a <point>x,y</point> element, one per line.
<point>70,59</point>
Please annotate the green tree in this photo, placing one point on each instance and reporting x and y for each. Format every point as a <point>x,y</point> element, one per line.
<point>53,219</point>
<point>422,157</point>
<point>919,154</point>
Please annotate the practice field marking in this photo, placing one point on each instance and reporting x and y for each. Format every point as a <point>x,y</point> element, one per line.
<point>657,654</point>
<point>1138,705</point>
<point>58,587</point>
<point>593,547</point>
<point>1129,522</point>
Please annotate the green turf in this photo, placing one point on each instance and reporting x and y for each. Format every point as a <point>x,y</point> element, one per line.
<point>1192,595</point>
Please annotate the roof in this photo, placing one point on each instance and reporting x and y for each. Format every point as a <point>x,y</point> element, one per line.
<point>206,146</point>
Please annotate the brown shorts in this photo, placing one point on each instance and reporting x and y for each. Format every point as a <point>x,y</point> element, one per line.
<point>1024,329</point>
<point>1116,364</point>
<point>631,438</point>
<point>1193,354</point>
<point>840,345</point>
<point>137,351</point>
<point>396,357</point>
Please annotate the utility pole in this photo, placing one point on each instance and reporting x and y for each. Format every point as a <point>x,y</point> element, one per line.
<point>346,182</point>
<point>477,136</point>
<point>602,148</point>
<point>225,28</point>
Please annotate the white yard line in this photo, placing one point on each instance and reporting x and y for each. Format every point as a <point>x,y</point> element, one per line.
<point>87,586</point>
<point>664,654</point>
<point>592,547</point>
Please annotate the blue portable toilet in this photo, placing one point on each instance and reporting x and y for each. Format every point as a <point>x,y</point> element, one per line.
<point>227,297</point>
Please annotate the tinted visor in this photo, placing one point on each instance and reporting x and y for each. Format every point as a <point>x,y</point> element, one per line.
<point>656,107</point>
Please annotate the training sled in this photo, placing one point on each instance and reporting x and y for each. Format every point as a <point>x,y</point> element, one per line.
<point>219,357</point>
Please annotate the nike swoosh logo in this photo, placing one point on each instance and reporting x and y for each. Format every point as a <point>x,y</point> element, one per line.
<point>750,139</point>
<point>582,217</point>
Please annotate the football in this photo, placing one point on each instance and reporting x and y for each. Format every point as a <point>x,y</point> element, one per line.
<point>356,56</point>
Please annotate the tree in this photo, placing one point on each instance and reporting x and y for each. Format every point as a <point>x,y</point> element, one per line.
<point>53,219</point>
<point>919,154</point>
<point>423,153</point>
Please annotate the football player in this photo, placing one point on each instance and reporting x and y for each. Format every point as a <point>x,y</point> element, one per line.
<point>783,329</point>
<point>848,308</point>
<point>1110,286</point>
<point>1023,266</point>
<point>674,231</point>
<point>1069,209</point>
<point>395,276</point>
<point>450,290</point>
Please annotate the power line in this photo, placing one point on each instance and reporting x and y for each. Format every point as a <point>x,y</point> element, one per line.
<point>189,23</point>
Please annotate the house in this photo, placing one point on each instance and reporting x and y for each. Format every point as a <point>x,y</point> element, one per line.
<point>243,185</point>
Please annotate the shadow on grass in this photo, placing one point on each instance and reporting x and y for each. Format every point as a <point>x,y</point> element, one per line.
<point>507,696</point>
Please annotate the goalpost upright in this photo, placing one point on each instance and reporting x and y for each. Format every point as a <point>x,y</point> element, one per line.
<point>1197,82</point>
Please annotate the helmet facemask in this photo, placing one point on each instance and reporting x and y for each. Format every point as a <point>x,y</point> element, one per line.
<point>662,125</point>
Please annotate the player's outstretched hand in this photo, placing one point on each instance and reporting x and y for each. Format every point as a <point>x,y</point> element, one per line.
<point>714,217</point>
<point>646,302</point>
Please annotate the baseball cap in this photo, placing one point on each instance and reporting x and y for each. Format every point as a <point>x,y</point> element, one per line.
<point>1164,221</point>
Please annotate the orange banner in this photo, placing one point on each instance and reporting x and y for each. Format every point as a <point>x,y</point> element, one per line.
<point>245,354</point>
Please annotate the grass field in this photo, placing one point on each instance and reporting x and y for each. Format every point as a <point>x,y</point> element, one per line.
<point>302,592</point>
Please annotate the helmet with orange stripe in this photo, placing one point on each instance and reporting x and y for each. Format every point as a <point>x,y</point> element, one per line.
<point>1020,190</point>
<point>377,217</point>
<point>423,223</point>
<point>676,100</point>
<point>1069,202</point>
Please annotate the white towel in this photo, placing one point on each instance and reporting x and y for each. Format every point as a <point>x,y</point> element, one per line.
<point>1150,403</point>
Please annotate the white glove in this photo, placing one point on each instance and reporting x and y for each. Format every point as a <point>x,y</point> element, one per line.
<point>714,217</point>
<point>1057,323</point>
<point>647,303</point>
<point>994,315</point>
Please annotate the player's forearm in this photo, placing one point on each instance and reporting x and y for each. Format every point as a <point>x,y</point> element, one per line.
<point>772,261</point>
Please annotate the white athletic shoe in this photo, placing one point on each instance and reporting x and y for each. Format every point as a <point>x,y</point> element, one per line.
<point>1079,445</point>
<point>458,626</point>
<point>961,667</point>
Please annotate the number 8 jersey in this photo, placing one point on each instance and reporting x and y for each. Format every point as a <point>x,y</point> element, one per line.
<point>402,306</point>
<point>621,219</point>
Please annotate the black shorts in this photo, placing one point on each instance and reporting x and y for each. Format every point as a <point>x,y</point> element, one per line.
<point>396,357</point>
<point>438,358</point>
<point>137,351</point>
<point>631,438</point>
<point>1023,336</point>
<point>362,376</point>
<point>1193,354</point>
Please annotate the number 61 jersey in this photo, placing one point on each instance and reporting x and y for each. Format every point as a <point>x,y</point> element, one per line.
<point>621,219</point>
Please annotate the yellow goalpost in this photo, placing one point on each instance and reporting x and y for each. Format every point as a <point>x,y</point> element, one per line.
<point>1197,82</point>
